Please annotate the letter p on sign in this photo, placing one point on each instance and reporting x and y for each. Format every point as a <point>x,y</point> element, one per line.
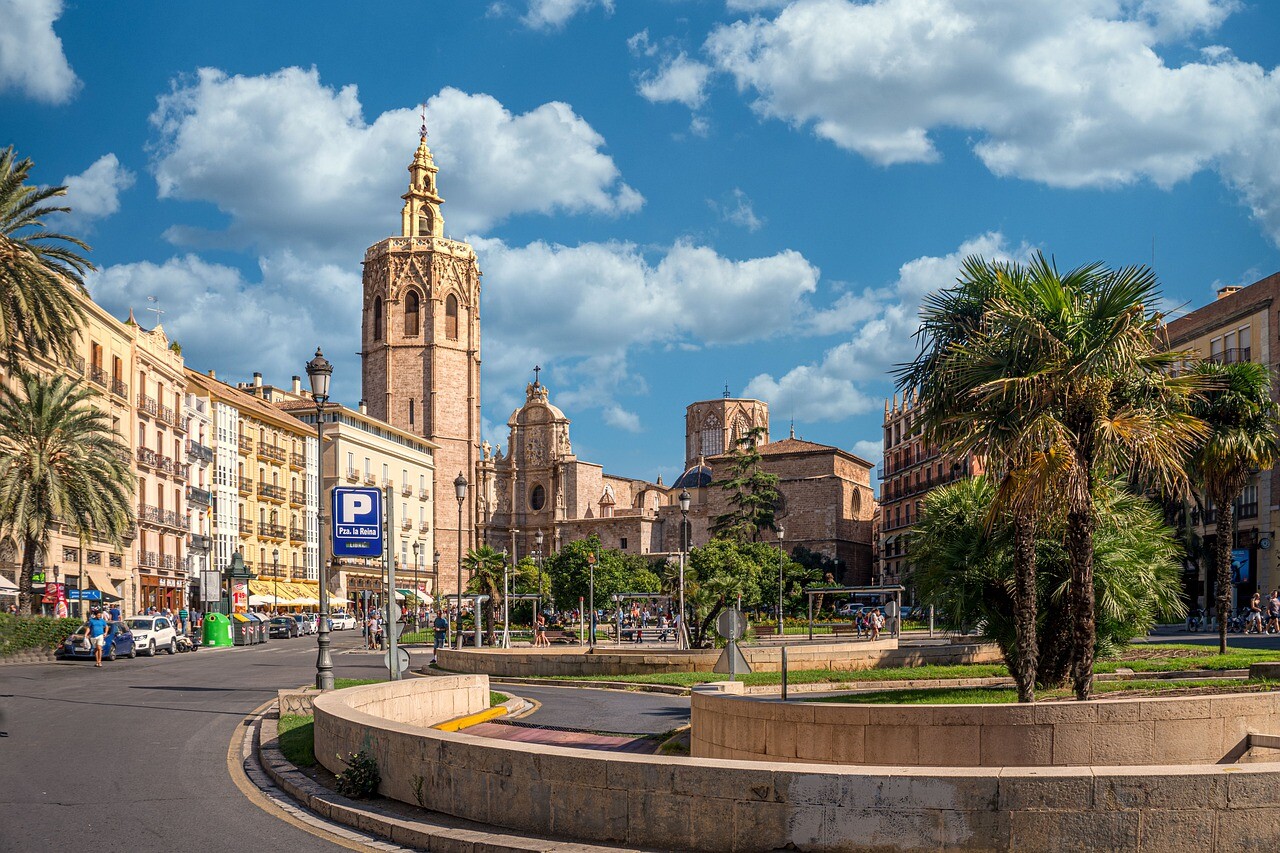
<point>354,506</point>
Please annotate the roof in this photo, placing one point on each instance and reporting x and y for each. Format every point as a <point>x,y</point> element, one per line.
<point>792,445</point>
<point>696,477</point>
<point>308,406</point>
<point>248,403</point>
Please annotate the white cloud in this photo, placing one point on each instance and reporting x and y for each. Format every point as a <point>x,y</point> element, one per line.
<point>680,80</point>
<point>738,210</point>
<point>880,324</point>
<point>754,5</point>
<point>1070,93</point>
<point>869,450</point>
<point>293,162</point>
<point>554,14</point>
<point>31,58</point>
<point>619,418</point>
<point>95,192</point>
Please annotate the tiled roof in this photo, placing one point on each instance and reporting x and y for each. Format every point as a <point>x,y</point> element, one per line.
<point>260,409</point>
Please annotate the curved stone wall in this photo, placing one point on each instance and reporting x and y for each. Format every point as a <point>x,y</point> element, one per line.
<point>619,660</point>
<point>718,805</point>
<point>1108,732</point>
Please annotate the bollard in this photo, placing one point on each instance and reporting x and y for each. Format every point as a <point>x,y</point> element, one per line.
<point>784,673</point>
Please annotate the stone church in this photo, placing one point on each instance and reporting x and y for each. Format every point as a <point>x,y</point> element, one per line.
<point>421,373</point>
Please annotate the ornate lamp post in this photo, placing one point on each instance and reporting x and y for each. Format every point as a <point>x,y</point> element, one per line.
<point>275,578</point>
<point>460,490</point>
<point>320,371</point>
<point>781,555</point>
<point>682,636</point>
<point>537,539</point>
<point>591,564</point>
<point>417,593</point>
<point>435,582</point>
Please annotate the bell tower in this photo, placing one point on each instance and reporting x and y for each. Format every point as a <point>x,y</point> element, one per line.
<point>420,350</point>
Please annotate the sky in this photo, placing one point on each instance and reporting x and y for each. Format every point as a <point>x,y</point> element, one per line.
<point>667,197</point>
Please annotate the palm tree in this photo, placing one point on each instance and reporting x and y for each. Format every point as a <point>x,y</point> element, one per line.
<point>60,463</point>
<point>485,567</point>
<point>1242,422</point>
<point>40,270</point>
<point>1079,364</point>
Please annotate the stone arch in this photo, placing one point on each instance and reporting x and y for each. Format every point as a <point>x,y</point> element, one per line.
<point>377,318</point>
<point>451,317</point>
<point>412,313</point>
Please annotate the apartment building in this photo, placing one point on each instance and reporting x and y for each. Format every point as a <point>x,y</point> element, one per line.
<point>1242,324</point>
<point>911,469</point>
<point>198,408</point>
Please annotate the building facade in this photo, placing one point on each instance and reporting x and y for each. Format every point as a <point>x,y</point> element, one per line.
<point>1240,325</point>
<point>912,468</point>
<point>420,348</point>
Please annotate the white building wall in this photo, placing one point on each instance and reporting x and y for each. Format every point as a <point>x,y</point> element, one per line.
<point>312,508</point>
<point>226,523</point>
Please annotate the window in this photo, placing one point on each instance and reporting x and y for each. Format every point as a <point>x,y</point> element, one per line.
<point>377,318</point>
<point>1246,343</point>
<point>351,461</point>
<point>404,477</point>
<point>410,413</point>
<point>386,473</point>
<point>623,544</point>
<point>712,436</point>
<point>451,317</point>
<point>422,481</point>
<point>537,498</point>
<point>368,469</point>
<point>412,304</point>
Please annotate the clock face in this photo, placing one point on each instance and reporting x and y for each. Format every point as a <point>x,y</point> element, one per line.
<point>1265,543</point>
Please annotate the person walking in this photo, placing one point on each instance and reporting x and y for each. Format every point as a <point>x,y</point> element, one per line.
<point>440,627</point>
<point>97,635</point>
<point>540,632</point>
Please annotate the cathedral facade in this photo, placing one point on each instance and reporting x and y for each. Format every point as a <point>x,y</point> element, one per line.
<point>421,373</point>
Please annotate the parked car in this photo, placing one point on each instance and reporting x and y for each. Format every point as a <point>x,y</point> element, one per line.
<point>154,633</point>
<point>342,622</point>
<point>305,625</point>
<point>283,626</point>
<point>119,643</point>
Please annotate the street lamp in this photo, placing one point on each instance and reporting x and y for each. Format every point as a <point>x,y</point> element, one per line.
<point>417,592</point>
<point>320,371</point>
<point>537,539</point>
<point>591,564</point>
<point>460,490</point>
<point>682,636</point>
<point>506,602</point>
<point>275,578</point>
<point>781,553</point>
<point>435,581</point>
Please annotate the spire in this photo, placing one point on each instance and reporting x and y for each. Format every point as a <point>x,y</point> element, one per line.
<point>420,216</point>
<point>793,428</point>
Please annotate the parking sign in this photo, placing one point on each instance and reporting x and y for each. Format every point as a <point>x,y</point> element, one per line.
<point>357,522</point>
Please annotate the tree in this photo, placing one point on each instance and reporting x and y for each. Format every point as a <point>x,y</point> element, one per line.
<point>40,270</point>
<point>616,572</point>
<point>1242,426</point>
<point>60,463</point>
<point>753,493</point>
<point>1076,366</point>
<point>963,564</point>
<point>718,573</point>
<point>485,567</point>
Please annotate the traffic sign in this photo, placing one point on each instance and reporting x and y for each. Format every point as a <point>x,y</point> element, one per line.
<point>731,625</point>
<point>402,658</point>
<point>357,522</point>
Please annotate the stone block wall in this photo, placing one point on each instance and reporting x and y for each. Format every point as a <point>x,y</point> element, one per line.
<point>1104,732</point>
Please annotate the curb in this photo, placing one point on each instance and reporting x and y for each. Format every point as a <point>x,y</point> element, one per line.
<point>367,817</point>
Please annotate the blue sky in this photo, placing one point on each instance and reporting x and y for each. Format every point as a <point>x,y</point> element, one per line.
<point>666,196</point>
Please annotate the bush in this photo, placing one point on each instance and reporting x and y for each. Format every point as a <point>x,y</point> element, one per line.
<point>19,634</point>
<point>361,778</point>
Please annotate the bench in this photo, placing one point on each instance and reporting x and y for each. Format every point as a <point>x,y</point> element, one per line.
<point>560,635</point>
<point>651,635</point>
<point>843,629</point>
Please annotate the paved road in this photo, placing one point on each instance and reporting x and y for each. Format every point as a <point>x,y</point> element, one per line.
<point>603,710</point>
<point>133,756</point>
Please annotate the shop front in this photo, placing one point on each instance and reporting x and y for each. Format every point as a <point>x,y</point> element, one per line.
<point>161,592</point>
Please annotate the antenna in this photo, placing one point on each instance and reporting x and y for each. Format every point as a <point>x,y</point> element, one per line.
<point>156,310</point>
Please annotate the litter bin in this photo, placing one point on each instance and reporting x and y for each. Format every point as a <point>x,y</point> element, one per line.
<point>217,630</point>
<point>259,628</point>
<point>243,632</point>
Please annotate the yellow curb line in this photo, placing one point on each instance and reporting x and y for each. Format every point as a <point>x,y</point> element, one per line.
<point>471,719</point>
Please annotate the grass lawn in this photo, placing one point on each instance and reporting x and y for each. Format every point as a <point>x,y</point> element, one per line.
<point>1004,695</point>
<point>296,739</point>
<point>1177,657</point>
<point>496,698</point>
<point>339,683</point>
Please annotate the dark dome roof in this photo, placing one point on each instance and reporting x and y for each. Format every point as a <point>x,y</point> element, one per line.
<point>695,478</point>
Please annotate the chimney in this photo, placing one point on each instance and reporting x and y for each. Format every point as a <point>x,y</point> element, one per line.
<point>297,384</point>
<point>257,379</point>
<point>364,407</point>
<point>1228,290</point>
<point>212,375</point>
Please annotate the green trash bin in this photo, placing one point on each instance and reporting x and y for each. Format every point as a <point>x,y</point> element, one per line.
<point>217,630</point>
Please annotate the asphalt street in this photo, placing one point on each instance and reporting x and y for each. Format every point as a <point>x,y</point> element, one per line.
<point>133,756</point>
<point>618,711</point>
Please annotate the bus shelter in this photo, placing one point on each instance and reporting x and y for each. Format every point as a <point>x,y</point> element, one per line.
<point>890,598</point>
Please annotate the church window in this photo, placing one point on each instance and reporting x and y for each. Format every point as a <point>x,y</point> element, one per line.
<point>622,543</point>
<point>712,436</point>
<point>537,498</point>
<point>739,430</point>
<point>451,317</point>
<point>410,413</point>
<point>377,318</point>
<point>412,303</point>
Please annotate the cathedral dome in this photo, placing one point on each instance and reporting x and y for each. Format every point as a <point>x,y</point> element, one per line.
<point>695,478</point>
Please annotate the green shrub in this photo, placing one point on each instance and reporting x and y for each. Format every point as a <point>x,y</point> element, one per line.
<point>361,778</point>
<point>19,634</point>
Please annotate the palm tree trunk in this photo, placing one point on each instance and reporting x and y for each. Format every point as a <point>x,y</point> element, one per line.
<point>1080,527</point>
<point>26,602</point>
<point>1222,556</point>
<point>1024,606</point>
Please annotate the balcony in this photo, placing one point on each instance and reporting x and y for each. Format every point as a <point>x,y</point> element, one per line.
<point>424,526</point>
<point>370,480</point>
<point>1231,356</point>
<point>77,365</point>
<point>120,389</point>
<point>271,492</point>
<point>297,498</point>
<point>149,559</point>
<point>272,452</point>
<point>271,531</point>
<point>148,406</point>
<point>245,444</point>
<point>199,497</point>
<point>246,527</point>
<point>406,490</point>
<point>198,452</point>
<point>199,542</point>
<point>148,457</point>
<point>97,375</point>
<point>406,524</point>
<point>246,485</point>
<point>297,461</point>
<point>297,534</point>
<point>423,494</point>
<point>167,415</point>
<point>1247,510</point>
<point>181,470</point>
<point>387,484</point>
<point>353,474</point>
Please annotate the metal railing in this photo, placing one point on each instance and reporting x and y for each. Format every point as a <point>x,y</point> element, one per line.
<point>245,485</point>
<point>246,528</point>
<point>148,406</point>
<point>97,375</point>
<point>120,389</point>
<point>196,450</point>
<point>297,534</point>
<point>1231,356</point>
<point>245,444</point>
<point>271,492</point>
<point>200,542</point>
<point>197,495</point>
<point>271,451</point>
<point>271,531</point>
<point>297,460</point>
<point>297,498</point>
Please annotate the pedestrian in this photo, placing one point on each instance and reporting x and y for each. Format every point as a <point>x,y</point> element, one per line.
<point>115,612</point>
<point>1274,608</point>
<point>540,632</point>
<point>97,635</point>
<point>877,622</point>
<point>184,619</point>
<point>441,629</point>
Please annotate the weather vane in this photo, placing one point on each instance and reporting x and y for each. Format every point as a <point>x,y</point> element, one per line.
<point>156,310</point>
